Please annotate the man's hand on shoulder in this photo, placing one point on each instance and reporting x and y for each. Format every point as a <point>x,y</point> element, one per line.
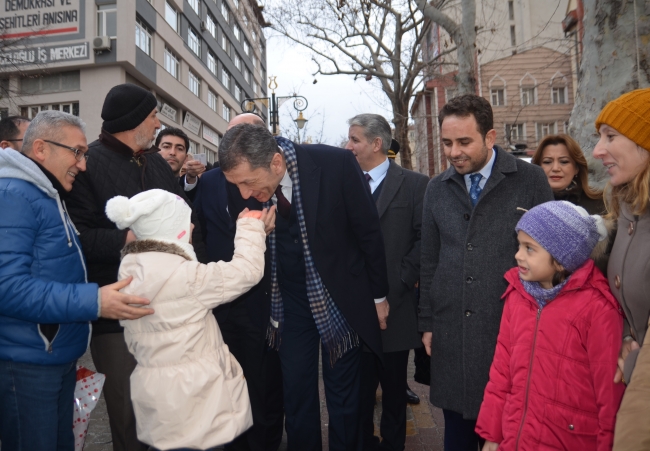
<point>116,305</point>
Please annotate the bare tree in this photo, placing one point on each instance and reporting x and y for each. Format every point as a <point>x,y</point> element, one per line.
<point>463,35</point>
<point>379,40</point>
<point>615,60</point>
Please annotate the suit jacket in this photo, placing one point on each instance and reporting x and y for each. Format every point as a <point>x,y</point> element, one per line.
<point>400,214</point>
<point>344,235</point>
<point>219,226</point>
<point>465,253</point>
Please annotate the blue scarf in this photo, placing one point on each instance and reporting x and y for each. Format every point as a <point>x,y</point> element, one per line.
<point>543,295</point>
<point>335,333</point>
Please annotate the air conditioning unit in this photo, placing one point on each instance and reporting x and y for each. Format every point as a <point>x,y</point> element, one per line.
<point>203,26</point>
<point>101,43</point>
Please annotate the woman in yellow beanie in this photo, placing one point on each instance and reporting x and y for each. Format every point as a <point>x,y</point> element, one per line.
<point>624,148</point>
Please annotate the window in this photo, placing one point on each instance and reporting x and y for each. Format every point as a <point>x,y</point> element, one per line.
<point>225,78</point>
<point>513,36</point>
<point>32,111</point>
<point>247,76</point>
<point>559,95</point>
<point>511,10</point>
<point>225,45</point>
<point>225,12</point>
<point>210,26</point>
<point>236,3</point>
<point>237,31</point>
<point>195,6</point>
<point>528,96</point>
<point>171,63</point>
<point>450,93</point>
<point>107,20</point>
<point>212,63</point>
<point>246,24</point>
<point>62,81</point>
<point>193,41</point>
<point>254,59</point>
<point>225,112</point>
<point>515,132</point>
<point>247,48</point>
<point>212,100</point>
<point>238,93</point>
<point>498,97</point>
<point>195,84</point>
<point>142,36</point>
<point>545,129</point>
<point>256,87</point>
<point>254,34</point>
<point>194,147</point>
<point>171,16</point>
<point>237,61</point>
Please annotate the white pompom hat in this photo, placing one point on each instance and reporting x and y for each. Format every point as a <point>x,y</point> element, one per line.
<point>155,214</point>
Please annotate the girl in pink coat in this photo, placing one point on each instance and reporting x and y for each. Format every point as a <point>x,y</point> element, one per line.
<point>552,378</point>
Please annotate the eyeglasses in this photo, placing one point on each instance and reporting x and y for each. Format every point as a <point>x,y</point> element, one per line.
<point>14,140</point>
<point>78,154</point>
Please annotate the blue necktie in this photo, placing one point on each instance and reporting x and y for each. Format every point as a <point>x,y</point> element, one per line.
<point>475,189</point>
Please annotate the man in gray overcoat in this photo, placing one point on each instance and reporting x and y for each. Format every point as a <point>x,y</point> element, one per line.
<point>468,243</point>
<point>398,195</point>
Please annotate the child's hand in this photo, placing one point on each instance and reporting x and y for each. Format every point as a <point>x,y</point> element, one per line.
<point>490,446</point>
<point>267,216</point>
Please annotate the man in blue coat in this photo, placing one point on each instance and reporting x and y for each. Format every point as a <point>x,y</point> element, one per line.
<point>46,304</point>
<point>327,274</point>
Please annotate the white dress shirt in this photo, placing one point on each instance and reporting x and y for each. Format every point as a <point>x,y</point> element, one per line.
<point>287,188</point>
<point>377,174</point>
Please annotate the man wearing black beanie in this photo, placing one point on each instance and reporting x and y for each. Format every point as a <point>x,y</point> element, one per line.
<point>121,162</point>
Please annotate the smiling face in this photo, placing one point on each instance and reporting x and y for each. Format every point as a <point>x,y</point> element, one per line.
<point>172,149</point>
<point>622,157</point>
<point>59,161</point>
<point>463,144</point>
<point>558,165</point>
<point>535,263</point>
<point>259,183</point>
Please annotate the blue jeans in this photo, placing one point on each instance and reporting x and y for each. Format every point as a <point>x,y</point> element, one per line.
<point>36,405</point>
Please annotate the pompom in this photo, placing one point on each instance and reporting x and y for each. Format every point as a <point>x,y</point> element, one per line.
<point>602,228</point>
<point>118,210</point>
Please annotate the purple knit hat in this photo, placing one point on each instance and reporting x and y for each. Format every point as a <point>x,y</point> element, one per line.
<point>566,231</point>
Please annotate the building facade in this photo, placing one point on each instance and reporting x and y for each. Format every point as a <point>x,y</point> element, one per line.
<point>200,58</point>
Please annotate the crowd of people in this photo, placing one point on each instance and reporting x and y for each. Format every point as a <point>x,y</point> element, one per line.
<point>214,292</point>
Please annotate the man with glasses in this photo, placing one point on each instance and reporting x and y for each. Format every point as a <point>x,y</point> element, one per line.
<point>123,162</point>
<point>46,304</point>
<point>12,130</point>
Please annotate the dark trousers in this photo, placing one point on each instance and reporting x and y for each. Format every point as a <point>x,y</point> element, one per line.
<point>459,433</point>
<point>261,366</point>
<point>392,377</point>
<point>112,357</point>
<point>36,403</point>
<point>299,357</point>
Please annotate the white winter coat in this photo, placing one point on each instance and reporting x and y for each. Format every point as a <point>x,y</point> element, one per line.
<point>187,389</point>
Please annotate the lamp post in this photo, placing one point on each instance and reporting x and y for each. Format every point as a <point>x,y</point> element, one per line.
<point>274,102</point>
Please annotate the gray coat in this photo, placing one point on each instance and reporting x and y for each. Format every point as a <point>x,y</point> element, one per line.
<point>400,214</point>
<point>465,254</point>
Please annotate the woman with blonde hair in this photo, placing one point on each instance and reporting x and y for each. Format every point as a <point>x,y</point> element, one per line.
<point>566,168</point>
<point>624,148</point>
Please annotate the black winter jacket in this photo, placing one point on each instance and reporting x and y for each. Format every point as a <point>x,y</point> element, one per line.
<point>113,170</point>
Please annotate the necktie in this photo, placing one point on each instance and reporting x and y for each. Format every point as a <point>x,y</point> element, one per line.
<point>368,178</point>
<point>475,189</point>
<point>284,206</point>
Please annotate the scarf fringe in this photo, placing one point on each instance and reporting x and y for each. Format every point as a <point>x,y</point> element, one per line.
<point>273,337</point>
<point>345,343</point>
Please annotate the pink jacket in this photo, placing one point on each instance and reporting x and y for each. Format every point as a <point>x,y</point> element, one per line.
<point>551,381</point>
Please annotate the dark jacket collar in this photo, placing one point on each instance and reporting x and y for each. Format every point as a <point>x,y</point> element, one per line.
<point>55,182</point>
<point>503,163</point>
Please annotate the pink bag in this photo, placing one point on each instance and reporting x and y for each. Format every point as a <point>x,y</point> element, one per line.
<point>86,394</point>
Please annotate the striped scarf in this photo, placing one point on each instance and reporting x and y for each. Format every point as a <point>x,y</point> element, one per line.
<point>335,333</point>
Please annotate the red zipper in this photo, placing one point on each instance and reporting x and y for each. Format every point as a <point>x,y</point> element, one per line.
<point>530,373</point>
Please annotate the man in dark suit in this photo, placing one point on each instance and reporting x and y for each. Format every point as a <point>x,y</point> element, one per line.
<point>398,194</point>
<point>174,145</point>
<point>327,265</point>
<point>243,322</point>
<point>468,243</point>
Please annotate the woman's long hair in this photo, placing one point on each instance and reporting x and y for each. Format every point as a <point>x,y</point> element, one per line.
<point>576,154</point>
<point>635,193</point>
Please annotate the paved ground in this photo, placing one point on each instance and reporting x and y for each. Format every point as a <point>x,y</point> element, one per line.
<point>424,426</point>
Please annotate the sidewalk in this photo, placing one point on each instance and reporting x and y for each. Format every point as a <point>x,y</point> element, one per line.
<point>424,423</point>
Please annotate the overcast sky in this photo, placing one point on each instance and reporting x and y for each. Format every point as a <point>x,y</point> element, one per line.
<point>332,100</point>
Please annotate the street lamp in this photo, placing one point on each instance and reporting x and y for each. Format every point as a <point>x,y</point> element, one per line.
<point>275,102</point>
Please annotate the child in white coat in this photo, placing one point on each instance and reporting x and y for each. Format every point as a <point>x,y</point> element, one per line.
<point>188,390</point>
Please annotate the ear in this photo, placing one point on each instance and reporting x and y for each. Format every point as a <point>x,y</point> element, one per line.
<point>40,151</point>
<point>557,266</point>
<point>277,163</point>
<point>490,138</point>
<point>376,145</point>
<point>5,144</point>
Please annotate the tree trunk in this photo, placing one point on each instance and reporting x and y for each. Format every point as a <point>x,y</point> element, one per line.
<point>615,60</point>
<point>400,119</point>
<point>466,41</point>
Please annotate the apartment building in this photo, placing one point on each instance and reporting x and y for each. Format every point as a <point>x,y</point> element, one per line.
<point>200,58</point>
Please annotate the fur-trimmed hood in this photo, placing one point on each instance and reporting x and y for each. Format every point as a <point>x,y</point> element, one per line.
<point>141,246</point>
